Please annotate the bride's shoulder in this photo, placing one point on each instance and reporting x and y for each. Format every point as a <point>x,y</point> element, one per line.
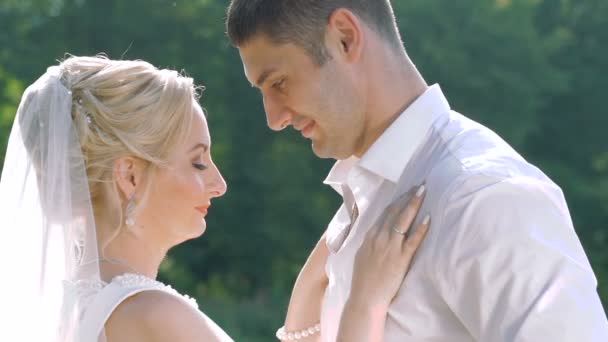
<point>158,316</point>
<point>153,316</point>
<point>144,309</point>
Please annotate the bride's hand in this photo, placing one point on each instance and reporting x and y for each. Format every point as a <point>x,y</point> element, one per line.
<point>385,256</point>
<point>380,266</point>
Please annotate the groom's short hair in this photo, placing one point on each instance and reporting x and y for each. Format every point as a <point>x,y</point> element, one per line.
<point>303,22</point>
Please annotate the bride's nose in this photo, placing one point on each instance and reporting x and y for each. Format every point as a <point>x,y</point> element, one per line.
<point>217,185</point>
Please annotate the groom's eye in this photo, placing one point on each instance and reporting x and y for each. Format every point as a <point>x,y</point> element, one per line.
<point>280,84</point>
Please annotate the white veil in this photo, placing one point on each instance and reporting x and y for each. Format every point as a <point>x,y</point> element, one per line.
<point>48,242</point>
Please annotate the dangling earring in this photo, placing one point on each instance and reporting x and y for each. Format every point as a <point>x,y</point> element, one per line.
<point>130,221</point>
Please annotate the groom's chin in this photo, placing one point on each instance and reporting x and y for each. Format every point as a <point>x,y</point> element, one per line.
<point>320,151</point>
<point>323,152</point>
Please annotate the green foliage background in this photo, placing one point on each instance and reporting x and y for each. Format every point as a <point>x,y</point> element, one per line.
<point>532,70</point>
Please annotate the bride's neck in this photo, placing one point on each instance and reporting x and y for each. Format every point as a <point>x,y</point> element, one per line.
<point>128,253</point>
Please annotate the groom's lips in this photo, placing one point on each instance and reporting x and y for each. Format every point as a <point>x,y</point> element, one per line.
<point>308,129</point>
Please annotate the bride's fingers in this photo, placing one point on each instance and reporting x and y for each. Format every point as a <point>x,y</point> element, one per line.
<point>391,213</point>
<point>411,244</point>
<point>400,227</point>
<point>387,218</point>
<point>399,214</point>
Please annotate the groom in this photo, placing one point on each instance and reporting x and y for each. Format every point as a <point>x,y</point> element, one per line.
<point>501,262</point>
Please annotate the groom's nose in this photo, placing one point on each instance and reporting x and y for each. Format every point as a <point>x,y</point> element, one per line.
<point>277,114</point>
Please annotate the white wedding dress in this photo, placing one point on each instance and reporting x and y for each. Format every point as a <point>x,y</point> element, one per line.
<point>99,299</point>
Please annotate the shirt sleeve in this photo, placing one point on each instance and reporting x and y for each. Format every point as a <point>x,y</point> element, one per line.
<point>512,268</point>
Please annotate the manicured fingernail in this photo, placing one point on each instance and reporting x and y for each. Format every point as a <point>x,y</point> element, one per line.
<point>426,220</point>
<point>420,191</point>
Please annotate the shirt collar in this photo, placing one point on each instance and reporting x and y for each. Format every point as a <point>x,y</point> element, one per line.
<point>339,173</point>
<point>391,152</point>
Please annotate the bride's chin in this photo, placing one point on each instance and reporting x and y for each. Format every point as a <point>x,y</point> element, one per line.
<point>192,233</point>
<point>202,228</point>
<point>201,232</point>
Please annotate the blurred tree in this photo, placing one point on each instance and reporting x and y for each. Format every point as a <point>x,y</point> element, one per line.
<point>10,93</point>
<point>487,55</point>
<point>572,140</point>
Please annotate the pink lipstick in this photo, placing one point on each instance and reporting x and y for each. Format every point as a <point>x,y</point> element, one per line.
<point>203,209</point>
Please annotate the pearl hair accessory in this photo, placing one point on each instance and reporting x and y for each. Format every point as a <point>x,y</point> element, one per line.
<point>82,110</point>
<point>283,335</point>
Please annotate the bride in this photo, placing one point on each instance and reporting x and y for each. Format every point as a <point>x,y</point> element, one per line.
<point>108,166</point>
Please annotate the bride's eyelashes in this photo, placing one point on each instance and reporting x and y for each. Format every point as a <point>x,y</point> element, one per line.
<point>199,166</point>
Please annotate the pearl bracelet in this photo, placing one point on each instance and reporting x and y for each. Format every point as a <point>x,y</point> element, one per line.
<point>283,335</point>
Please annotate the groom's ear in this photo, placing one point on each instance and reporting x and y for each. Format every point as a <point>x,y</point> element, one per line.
<point>345,35</point>
<point>128,174</point>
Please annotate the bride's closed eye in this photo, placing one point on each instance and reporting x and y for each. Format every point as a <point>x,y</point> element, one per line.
<point>199,166</point>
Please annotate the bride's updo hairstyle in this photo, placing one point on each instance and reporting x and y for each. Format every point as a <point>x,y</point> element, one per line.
<point>122,109</point>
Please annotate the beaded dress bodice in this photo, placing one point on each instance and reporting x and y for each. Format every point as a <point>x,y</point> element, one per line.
<point>87,289</point>
<point>98,299</point>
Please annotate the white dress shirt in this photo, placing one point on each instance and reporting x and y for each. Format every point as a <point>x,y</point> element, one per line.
<point>501,261</point>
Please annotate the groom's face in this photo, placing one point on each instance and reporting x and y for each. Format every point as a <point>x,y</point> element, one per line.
<point>321,102</point>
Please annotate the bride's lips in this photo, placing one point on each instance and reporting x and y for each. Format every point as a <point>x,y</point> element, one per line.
<point>202,209</point>
<point>308,129</point>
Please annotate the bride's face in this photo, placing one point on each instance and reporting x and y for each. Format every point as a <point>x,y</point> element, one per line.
<point>180,195</point>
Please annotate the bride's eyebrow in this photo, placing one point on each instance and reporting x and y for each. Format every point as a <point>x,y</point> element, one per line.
<point>204,146</point>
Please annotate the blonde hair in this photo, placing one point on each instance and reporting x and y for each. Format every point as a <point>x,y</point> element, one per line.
<point>126,108</point>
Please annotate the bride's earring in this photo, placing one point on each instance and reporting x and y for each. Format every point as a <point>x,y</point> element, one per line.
<point>130,221</point>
